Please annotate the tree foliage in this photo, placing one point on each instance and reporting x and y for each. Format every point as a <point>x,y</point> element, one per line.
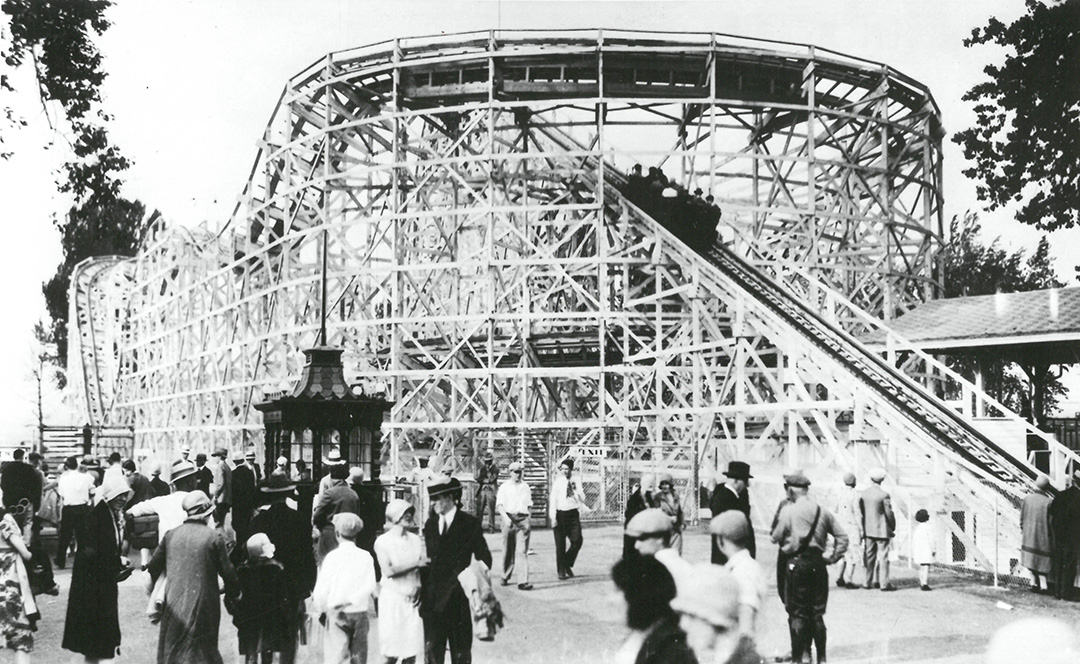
<point>974,268</point>
<point>57,38</point>
<point>1026,141</point>
<point>90,229</point>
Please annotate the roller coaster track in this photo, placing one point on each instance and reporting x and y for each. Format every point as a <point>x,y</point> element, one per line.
<point>92,337</point>
<point>937,420</point>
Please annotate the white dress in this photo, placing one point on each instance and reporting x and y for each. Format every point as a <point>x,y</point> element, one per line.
<point>401,630</point>
<point>922,545</point>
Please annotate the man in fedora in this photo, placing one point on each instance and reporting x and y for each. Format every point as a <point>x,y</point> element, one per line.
<point>291,535</point>
<point>223,486</point>
<point>802,530</point>
<point>733,494</point>
<point>338,498</point>
<point>245,493</point>
<point>878,527</point>
<point>487,481</point>
<point>453,538</point>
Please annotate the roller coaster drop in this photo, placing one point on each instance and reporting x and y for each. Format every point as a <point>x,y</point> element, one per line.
<point>485,271</point>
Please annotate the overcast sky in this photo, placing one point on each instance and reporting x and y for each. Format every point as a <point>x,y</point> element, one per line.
<point>192,85</point>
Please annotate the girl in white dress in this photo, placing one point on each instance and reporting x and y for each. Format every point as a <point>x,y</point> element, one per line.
<point>922,547</point>
<point>401,555</point>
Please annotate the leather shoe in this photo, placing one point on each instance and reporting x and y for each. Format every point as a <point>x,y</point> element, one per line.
<point>888,588</point>
<point>569,572</point>
<point>563,576</point>
<point>525,586</point>
<point>505,582</point>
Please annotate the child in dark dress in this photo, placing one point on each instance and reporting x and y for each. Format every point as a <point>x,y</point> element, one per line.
<point>261,614</point>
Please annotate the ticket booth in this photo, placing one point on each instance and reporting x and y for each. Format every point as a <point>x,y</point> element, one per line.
<point>321,413</point>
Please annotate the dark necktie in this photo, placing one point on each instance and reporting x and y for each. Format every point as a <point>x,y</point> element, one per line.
<point>569,489</point>
<point>442,525</point>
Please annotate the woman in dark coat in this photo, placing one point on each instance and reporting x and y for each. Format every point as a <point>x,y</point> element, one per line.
<point>193,556</point>
<point>640,499</point>
<point>92,626</point>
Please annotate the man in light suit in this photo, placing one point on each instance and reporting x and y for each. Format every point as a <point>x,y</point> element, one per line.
<point>452,537</point>
<point>878,525</point>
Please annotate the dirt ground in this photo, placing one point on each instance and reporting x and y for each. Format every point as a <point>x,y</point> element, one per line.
<point>578,621</point>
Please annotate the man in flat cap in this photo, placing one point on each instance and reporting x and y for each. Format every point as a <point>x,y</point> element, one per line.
<point>878,527</point>
<point>564,509</point>
<point>514,502</point>
<point>452,537</point>
<point>651,530</point>
<point>802,531</point>
<point>733,494</point>
<point>847,513</point>
<point>487,479</point>
<point>1065,526</point>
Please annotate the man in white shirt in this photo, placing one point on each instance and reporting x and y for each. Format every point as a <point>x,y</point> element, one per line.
<point>566,501</point>
<point>170,508</point>
<point>74,486</point>
<point>847,513</point>
<point>651,530</point>
<point>732,533</point>
<point>343,593</point>
<point>514,503</point>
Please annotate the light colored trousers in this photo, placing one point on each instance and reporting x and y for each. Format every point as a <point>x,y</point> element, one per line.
<point>346,638</point>
<point>511,527</point>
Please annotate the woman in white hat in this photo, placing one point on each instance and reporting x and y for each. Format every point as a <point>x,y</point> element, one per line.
<point>194,555</point>
<point>92,625</point>
<point>401,555</point>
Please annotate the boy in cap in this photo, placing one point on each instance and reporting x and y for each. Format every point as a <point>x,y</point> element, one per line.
<point>261,614</point>
<point>651,531</point>
<point>567,499</point>
<point>514,503</point>
<point>732,533</point>
<point>709,615</point>
<point>802,531</point>
<point>343,594</point>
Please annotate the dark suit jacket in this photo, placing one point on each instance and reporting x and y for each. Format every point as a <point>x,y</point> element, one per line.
<point>245,493</point>
<point>451,553</point>
<point>338,498</point>
<point>291,535</point>
<point>1065,518</point>
<point>723,499</point>
<point>204,478</point>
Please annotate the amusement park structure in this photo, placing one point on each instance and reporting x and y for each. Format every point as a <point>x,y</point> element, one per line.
<point>457,209</point>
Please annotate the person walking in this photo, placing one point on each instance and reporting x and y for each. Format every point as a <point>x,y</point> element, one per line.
<point>92,623</point>
<point>668,501</point>
<point>487,481</point>
<point>261,615</point>
<point>223,486</point>
<point>802,532</point>
<point>564,509</point>
<point>245,493</point>
<point>170,507</point>
<point>640,500</point>
<point>343,594</point>
<point>849,516</point>
<point>193,555</point>
<point>733,494</point>
<point>337,499</point>
<point>651,531</point>
<point>453,539</point>
<point>655,636</point>
<point>18,610</point>
<point>290,533</point>
<point>204,476</point>
<point>141,491</point>
<point>74,487</point>
<point>878,527</point>
<point>1036,551</point>
<point>514,503</point>
<point>161,487</point>
<point>401,556</point>
<point>1065,534</point>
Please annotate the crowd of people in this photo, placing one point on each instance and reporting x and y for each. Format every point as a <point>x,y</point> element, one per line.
<point>426,570</point>
<point>691,217</point>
